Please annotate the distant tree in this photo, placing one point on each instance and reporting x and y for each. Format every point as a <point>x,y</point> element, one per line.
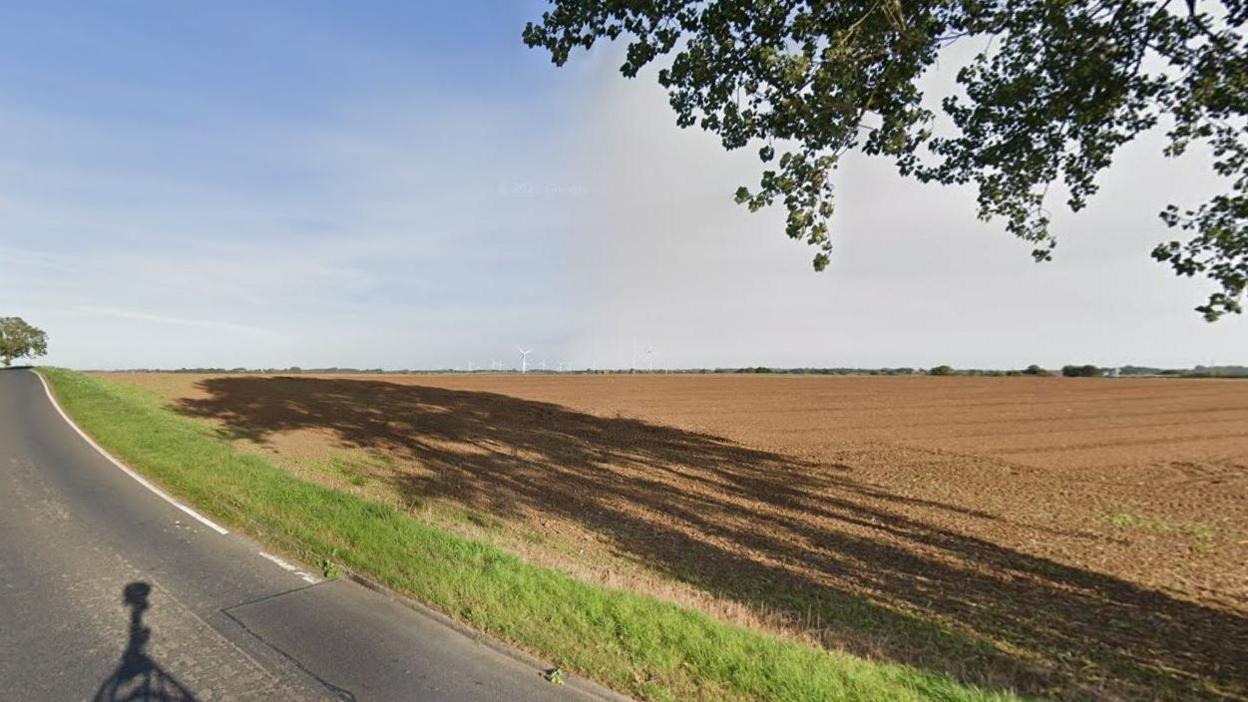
<point>941,370</point>
<point>1055,89</point>
<point>1087,371</point>
<point>1034,369</point>
<point>20,340</point>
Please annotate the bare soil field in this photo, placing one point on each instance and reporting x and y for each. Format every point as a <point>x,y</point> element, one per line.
<point>1067,538</point>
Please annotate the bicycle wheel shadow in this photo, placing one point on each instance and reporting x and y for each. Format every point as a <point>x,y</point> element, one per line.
<point>137,677</point>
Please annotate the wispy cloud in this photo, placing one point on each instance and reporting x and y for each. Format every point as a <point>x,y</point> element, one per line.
<point>143,316</point>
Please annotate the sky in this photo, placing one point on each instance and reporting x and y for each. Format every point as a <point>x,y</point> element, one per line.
<point>406,185</point>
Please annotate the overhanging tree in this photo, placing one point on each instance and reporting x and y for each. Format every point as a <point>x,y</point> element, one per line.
<point>20,340</point>
<point>1060,86</point>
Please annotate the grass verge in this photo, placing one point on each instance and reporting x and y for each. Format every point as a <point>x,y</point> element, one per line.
<point>646,648</point>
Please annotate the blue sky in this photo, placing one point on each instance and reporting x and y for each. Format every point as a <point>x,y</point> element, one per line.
<point>406,185</point>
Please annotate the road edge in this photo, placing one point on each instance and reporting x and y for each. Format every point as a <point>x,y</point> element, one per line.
<point>47,389</point>
<point>571,680</point>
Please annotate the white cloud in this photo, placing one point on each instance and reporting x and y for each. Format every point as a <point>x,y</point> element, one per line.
<point>916,279</point>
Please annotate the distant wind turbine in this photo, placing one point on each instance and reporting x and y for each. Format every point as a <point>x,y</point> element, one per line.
<point>524,358</point>
<point>650,357</point>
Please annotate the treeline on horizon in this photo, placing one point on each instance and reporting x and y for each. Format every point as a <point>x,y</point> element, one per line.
<point>1073,371</point>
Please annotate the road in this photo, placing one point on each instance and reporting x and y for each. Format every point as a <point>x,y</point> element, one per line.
<point>110,593</point>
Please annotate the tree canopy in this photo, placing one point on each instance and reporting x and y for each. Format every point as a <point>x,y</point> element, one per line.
<point>1057,88</point>
<point>20,340</point>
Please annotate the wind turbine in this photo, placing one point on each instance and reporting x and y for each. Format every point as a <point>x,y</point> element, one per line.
<point>524,358</point>
<point>470,366</point>
<point>650,356</point>
<point>543,364</point>
<point>496,365</point>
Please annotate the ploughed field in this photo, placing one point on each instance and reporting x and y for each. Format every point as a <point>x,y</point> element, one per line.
<point>1066,538</point>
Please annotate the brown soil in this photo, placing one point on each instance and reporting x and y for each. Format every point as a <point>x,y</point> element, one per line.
<point>1072,538</point>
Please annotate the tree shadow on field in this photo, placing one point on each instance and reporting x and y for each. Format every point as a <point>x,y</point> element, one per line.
<point>772,532</point>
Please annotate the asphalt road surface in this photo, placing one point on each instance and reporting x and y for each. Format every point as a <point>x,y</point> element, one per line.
<point>109,593</point>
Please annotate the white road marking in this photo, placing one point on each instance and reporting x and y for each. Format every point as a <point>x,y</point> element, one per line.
<point>283,564</point>
<point>124,468</point>
<point>308,577</point>
<point>286,565</point>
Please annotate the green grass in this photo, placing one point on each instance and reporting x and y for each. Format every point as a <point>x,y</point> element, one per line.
<point>644,647</point>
